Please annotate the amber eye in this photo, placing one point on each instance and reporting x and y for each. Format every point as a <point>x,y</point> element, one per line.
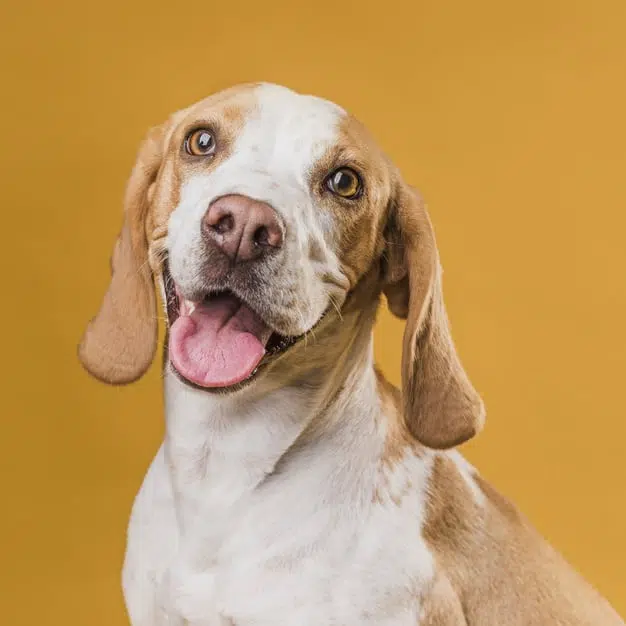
<point>344,182</point>
<point>200,142</point>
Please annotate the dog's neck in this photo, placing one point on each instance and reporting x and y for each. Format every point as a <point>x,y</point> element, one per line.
<point>223,448</point>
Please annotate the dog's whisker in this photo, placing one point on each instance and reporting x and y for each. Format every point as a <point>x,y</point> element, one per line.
<point>336,307</point>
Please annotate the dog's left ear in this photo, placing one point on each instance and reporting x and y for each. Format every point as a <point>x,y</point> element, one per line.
<point>441,407</point>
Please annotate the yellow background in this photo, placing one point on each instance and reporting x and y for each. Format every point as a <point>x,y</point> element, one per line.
<point>510,118</point>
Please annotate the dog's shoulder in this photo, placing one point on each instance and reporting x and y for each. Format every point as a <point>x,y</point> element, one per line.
<point>488,557</point>
<point>494,560</point>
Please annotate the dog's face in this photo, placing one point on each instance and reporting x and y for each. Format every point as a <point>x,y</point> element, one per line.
<point>275,217</point>
<point>258,211</point>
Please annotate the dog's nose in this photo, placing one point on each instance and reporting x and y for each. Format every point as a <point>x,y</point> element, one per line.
<point>242,228</point>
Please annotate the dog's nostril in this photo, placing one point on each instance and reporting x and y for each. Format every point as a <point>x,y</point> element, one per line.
<point>261,236</point>
<point>225,224</point>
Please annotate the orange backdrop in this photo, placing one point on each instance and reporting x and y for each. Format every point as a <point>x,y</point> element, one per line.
<point>508,116</point>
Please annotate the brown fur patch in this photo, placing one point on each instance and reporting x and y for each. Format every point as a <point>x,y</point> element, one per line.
<point>500,570</point>
<point>358,231</point>
<point>225,115</point>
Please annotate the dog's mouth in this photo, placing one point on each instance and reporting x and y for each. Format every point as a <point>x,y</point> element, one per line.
<point>220,341</point>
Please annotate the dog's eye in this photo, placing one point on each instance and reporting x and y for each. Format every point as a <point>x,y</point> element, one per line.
<point>200,142</point>
<point>344,182</point>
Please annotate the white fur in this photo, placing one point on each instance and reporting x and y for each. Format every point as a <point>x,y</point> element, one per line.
<point>248,515</point>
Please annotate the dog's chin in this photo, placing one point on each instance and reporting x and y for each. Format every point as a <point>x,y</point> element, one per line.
<point>273,345</point>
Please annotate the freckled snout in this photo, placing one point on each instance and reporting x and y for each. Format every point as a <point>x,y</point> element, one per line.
<point>242,228</point>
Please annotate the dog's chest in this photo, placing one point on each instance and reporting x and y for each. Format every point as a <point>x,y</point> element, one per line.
<point>287,554</point>
<point>257,531</point>
<point>324,572</point>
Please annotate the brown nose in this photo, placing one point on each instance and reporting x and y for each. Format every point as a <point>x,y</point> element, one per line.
<point>243,228</point>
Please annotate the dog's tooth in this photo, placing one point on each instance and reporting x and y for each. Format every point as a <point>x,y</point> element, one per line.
<point>191,307</point>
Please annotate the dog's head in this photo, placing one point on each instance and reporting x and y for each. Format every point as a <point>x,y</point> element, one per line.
<point>261,212</point>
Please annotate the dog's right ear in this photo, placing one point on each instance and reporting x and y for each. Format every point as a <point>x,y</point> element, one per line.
<point>119,343</point>
<point>441,407</point>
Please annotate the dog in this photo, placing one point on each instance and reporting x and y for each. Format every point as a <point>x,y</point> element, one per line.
<point>295,486</point>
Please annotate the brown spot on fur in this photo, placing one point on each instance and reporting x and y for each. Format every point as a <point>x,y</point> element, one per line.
<point>316,251</point>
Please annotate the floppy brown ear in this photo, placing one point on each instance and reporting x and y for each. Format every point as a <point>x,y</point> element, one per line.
<point>441,407</point>
<point>119,343</point>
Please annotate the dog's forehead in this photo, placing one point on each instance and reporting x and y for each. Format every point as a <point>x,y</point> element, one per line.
<point>274,125</point>
<point>292,129</point>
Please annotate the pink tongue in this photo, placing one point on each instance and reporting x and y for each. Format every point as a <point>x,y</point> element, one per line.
<point>220,344</point>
